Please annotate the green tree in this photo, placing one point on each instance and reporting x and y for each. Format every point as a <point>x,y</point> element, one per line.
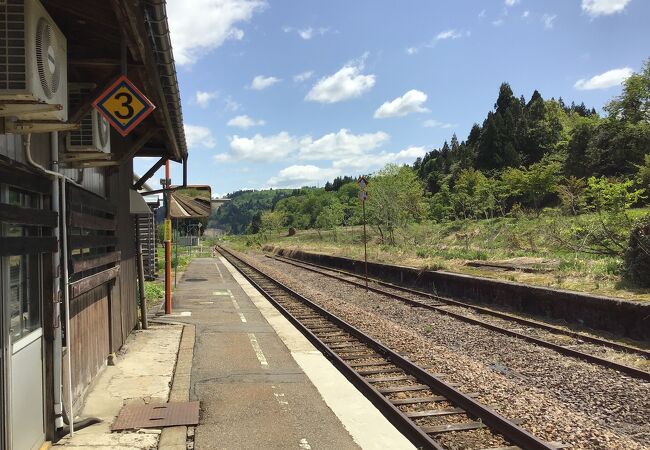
<point>395,198</point>
<point>643,173</point>
<point>633,105</point>
<point>636,260</point>
<point>330,217</point>
<point>610,200</point>
<point>472,195</point>
<point>534,183</point>
<point>572,195</point>
<point>271,221</point>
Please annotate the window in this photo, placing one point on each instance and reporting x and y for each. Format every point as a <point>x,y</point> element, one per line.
<point>24,299</point>
<point>21,273</point>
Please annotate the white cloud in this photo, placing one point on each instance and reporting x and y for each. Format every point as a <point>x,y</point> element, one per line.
<point>198,136</point>
<point>261,82</point>
<point>482,14</point>
<point>232,105</point>
<point>498,22</point>
<point>303,76</point>
<point>198,26</point>
<point>411,152</point>
<point>511,2</point>
<point>605,80</point>
<point>308,32</point>
<point>245,122</point>
<point>411,102</point>
<point>283,146</point>
<point>203,98</point>
<point>368,162</point>
<point>345,84</point>
<point>448,34</point>
<point>263,148</point>
<point>299,175</point>
<point>302,175</point>
<point>340,144</point>
<point>433,123</point>
<point>597,8</point>
<point>525,14</point>
<point>222,157</point>
<point>548,20</point>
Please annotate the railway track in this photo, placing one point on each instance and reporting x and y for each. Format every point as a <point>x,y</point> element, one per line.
<point>429,411</point>
<point>566,342</point>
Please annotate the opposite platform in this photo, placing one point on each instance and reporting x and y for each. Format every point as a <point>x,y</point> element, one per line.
<point>261,384</point>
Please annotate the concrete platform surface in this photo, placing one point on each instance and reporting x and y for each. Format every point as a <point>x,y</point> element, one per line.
<point>261,384</point>
<point>142,373</point>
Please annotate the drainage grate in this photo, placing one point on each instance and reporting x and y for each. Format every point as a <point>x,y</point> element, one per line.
<point>157,415</point>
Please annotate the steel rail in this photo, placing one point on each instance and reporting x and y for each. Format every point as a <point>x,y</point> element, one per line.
<point>407,426</point>
<point>491,312</point>
<point>629,370</point>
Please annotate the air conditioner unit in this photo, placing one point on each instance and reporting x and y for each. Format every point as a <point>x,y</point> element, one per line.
<point>33,60</point>
<point>94,133</point>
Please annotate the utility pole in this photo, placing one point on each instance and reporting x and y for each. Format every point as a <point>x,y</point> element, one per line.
<point>168,242</point>
<point>365,242</point>
<point>363,196</point>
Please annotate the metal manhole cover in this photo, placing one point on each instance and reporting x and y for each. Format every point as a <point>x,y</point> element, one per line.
<point>157,415</point>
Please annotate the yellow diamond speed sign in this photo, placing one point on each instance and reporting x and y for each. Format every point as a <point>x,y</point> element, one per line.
<point>123,105</point>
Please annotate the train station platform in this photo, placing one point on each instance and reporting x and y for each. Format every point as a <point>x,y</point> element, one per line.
<point>261,384</point>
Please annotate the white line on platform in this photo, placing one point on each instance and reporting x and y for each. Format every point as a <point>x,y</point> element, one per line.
<point>218,270</point>
<point>258,350</point>
<point>181,314</point>
<point>241,316</point>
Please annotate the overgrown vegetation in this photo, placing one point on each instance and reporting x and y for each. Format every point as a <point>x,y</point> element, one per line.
<point>569,173</point>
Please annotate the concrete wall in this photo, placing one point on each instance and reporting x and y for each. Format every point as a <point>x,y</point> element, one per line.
<point>621,317</point>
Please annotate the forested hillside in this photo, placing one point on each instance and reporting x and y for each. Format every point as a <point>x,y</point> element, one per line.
<point>245,206</point>
<point>526,154</point>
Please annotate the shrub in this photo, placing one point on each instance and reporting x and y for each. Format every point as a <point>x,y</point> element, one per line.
<point>153,290</point>
<point>636,261</point>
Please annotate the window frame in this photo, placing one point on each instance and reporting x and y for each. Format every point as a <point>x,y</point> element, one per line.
<point>31,276</point>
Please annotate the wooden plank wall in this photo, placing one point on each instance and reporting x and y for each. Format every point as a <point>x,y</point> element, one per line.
<point>124,315</point>
<point>127,314</point>
<point>89,337</point>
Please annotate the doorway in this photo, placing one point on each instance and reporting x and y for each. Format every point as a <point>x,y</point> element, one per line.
<point>22,334</point>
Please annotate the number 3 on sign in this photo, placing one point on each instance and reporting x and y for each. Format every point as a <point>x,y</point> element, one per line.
<point>123,105</point>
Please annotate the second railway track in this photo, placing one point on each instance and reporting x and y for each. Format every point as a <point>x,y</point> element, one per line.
<point>566,342</point>
<point>432,413</point>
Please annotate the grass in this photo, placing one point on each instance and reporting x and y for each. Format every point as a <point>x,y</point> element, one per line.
<point>154,291</point>
<point>525,241</point>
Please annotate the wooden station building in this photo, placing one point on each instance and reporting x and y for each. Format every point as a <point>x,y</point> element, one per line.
<point>68,266</point>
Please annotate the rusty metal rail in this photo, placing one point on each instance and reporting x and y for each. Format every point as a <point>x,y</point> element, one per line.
<point>368,364</point>
<point>440,308</point>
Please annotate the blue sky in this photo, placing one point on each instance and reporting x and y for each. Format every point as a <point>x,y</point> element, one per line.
<point>293,93</point>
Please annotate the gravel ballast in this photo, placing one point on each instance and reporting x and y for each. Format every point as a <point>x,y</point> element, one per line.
<point>559,398</point>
